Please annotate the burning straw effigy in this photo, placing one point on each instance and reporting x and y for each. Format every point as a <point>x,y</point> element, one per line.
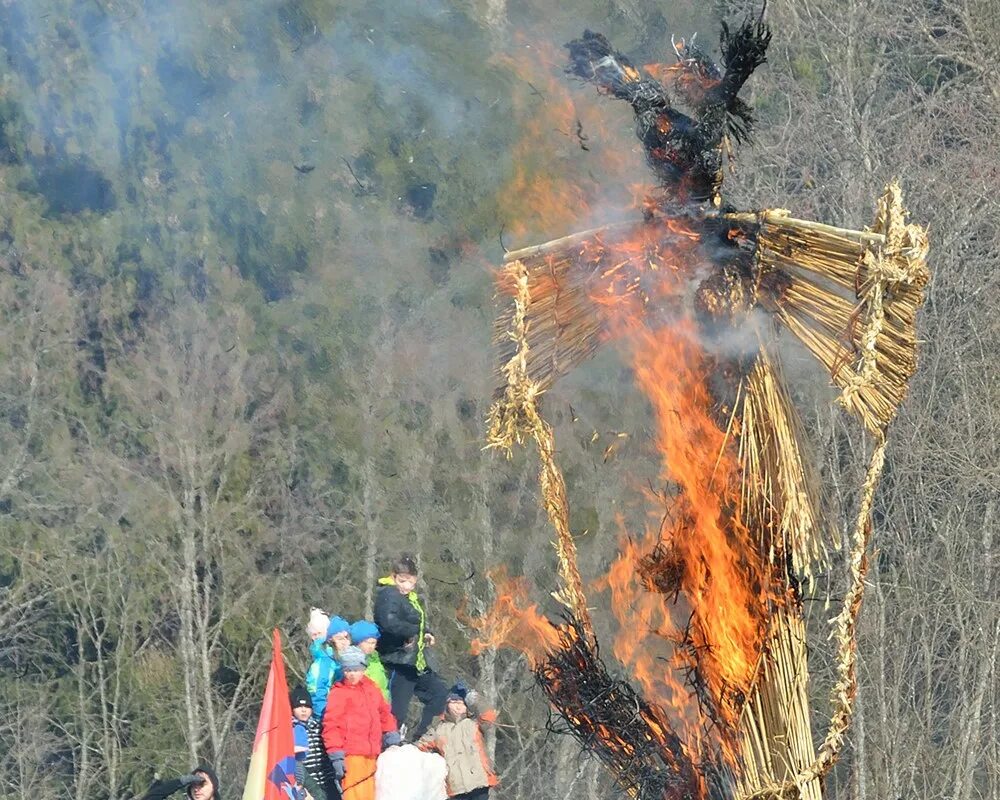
<point>727,714</point>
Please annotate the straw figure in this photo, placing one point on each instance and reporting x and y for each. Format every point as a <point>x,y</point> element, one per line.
<point>850,297</point>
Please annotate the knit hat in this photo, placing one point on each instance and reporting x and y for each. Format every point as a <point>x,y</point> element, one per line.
<point>353,658</point>
<point>457,692</point>
<point>300,698</point>
<point>363,629</point>
<point>318,623</point>
<point>337,625</point>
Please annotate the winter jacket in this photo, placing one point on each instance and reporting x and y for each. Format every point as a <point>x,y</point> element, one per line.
<point>461,743</point>
<point>376,671</point>
<point>317,764</point>
<point>300,741</point>
<point>322,674</point>
<point>403,623</point>
<point>356,718</point>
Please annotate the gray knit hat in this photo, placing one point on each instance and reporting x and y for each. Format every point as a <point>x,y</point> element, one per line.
<point>353,658</point>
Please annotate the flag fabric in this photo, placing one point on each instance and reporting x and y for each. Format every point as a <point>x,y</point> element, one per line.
<point>272,764</point>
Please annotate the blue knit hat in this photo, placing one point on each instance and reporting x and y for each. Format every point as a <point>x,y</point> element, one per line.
<point>457,692</point>
<point>353,658</point>
<point>337,625</point>
<point>363,629</point>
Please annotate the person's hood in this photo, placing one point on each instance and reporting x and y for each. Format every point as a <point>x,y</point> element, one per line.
<point>318,648</point>
<point>217,795</point>
<point>356,687</point>
<point>388,581</point>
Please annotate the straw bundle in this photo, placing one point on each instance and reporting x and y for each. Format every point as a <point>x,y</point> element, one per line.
<point>851,297</point>
<point>775,732</point>
<point>563,323</point>
<point>779,500</point>
<point>513,417</point>
<point>568,280</point>
<point>779,491</point>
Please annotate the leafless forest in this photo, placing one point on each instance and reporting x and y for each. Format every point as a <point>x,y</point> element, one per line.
<point>244,359</point>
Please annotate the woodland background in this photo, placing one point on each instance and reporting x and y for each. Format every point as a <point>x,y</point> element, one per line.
<point>245,307</point>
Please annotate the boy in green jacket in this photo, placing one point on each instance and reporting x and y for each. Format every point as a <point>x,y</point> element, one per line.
<point>365,636</point>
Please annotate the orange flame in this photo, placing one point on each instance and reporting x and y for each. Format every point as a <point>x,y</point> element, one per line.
<point>569,158</point>
<point>720,573</point>
<point>514,621</point>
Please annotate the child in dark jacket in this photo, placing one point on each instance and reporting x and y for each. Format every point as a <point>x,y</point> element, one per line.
<point>301,712</point>
<point>357,725</point>
<point>404,645</point>
<point>312,769</point>
<point>458,736</point>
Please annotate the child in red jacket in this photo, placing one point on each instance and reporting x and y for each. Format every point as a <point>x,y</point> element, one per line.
<point>357,725</point>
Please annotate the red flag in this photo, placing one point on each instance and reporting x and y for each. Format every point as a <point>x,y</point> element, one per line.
<point>272,764</point>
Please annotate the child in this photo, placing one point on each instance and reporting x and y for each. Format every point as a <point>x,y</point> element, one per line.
<point>315,774</point>
<point>365,636</point>
<point>458,736</point>
<point>317,625</point>
<point>301,712</point>
<point>357,725</point>
<point>405,639</point>
<point>325,670</point>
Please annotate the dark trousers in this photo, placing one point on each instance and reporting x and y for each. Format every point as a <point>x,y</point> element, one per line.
<point>404,682</point>
<point>482,793</point>
<point>321,787</point>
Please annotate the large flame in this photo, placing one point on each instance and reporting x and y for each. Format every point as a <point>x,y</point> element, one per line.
<point>698,579</point>
<point>692,595</point>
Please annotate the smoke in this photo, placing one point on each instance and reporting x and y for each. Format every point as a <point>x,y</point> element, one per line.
<point>203,101</point>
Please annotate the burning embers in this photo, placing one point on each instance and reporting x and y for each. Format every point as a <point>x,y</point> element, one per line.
<point>709,625</point>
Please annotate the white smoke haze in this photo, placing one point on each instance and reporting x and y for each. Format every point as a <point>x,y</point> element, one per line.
<point>353,148</point>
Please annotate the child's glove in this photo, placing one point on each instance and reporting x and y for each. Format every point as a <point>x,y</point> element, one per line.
<point>337,764</point>
<point>391,739</point>
<point>471,699</point>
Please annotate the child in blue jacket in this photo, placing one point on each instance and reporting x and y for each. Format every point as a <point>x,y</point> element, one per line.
<point>325,668</point>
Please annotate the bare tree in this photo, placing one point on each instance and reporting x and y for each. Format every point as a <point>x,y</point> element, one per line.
<point>202,414</point>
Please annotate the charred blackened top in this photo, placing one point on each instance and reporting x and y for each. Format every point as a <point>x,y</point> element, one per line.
<point>684,149</point>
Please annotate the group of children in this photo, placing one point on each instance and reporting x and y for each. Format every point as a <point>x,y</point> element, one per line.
<point>357,694</point>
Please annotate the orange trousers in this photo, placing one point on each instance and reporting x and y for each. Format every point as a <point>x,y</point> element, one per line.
<point>359,778</point>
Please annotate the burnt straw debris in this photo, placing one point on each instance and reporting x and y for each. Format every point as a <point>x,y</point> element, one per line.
<point>631,736</point>
<point>685,150</point>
